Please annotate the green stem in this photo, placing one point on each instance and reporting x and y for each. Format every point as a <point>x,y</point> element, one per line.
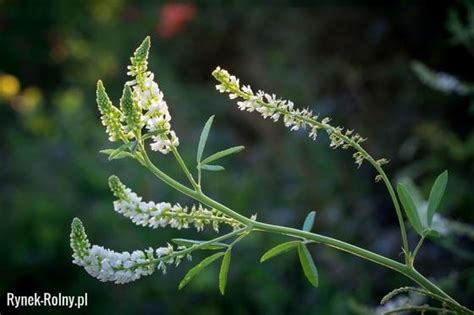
<point>415,251</point>
<point>357,147</point>
<point>328,241</point>
<point>197,246</point>
<point>185,168</point>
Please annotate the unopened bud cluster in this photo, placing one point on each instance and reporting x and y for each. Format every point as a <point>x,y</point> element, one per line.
<point>111,116</point>
<point>269,106</point>
<point>163,214</point>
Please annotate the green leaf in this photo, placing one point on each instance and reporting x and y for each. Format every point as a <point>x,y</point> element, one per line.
<point>203,138</point>
<point>118,153</point>
<point>189,243</point>
<point>212,168</point>
<point>307,263</point>
<point>224,271</point>
<point>437,192</point>
<point>279,249</point>
<point>153,133</point>
<point>309,221</point>
<point>107,151</point>
<point>134,146</point>
<point>410,207</point>
<point>198,268</point>
<point>431,233</point>
<point>222,154</point>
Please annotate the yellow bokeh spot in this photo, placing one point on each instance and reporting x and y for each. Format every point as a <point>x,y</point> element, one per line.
<point>28,100</point>
<point>9,86</point>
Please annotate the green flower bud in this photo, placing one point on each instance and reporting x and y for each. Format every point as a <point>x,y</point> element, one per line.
<point>103,100</point>
<point>79,242</point>
<point>111,115</point>
<point>117,188</point>
<point>141,53</point>
<point>131,109</point>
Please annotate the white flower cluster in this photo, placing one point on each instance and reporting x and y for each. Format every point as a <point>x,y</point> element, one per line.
<point>164,214</point>
<point>269,106</point>
<point>107,265</point>
<point>150,99</point>
<point>142,105</point>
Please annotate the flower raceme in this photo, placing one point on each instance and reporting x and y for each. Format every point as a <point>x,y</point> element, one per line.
<point>107,265</point>
<point>162,214</point>
<point>269,106</point>
<point>142,105</point>
<point>143,109</point>
<point>150,98</point>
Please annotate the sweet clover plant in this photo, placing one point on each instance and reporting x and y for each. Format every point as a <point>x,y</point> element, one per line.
<point>142,121</point>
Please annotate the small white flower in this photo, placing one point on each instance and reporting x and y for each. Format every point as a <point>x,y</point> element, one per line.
<point>163,214</point>
<point>270,106</point>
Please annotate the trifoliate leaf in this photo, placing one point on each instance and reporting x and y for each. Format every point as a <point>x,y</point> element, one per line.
<point>307,263</point>
<point>309,221</point>
<point>436,194</point>
<point>224,271</point>
<point>279,249</point>
<point>203,138</point>
<point>198,268</point>
<point>222,154</point>
<point>410,207</point>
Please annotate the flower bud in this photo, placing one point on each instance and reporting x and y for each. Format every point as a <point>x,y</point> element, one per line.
<point>117,188</point>
<point>79,242</point>
<point>110,115</point>
<point>131,109</point>
<point>141,53</point>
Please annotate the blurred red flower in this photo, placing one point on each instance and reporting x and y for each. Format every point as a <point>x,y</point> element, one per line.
<point>174,17</point>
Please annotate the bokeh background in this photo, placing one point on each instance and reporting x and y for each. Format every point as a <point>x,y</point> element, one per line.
<point>350,62</point>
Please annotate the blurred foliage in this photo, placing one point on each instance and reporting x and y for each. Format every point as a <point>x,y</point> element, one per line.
<point>349,62</point>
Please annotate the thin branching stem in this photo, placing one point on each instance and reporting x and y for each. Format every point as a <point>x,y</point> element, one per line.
<point>332,130</point>
<point>416,250</point>
<point>199,246</point>
<point>325,240</point>
<point>185,169</point>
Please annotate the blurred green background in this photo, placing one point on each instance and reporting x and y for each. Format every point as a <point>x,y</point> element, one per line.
<point>350,62</point>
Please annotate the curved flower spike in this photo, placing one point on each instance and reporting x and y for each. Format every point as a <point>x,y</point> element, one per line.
<point>107,265</point>
<point>162,214</point>
<point>269,106</point>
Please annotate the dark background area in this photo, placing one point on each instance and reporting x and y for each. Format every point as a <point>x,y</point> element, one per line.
<point>349,62</point>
